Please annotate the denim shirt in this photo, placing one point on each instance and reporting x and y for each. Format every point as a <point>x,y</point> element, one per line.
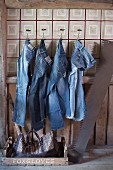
<point>58,92</point>
<point>81,60</point>
<point>23,62</point>
<point>37,95</point>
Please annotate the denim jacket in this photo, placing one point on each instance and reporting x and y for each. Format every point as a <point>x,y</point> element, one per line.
<point>81,60</point>
<point>23,62</point>
<point>37,95</point>
<point>58,93</point>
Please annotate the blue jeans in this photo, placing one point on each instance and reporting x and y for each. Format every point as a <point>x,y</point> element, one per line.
<point>58,92</point>
<point>22,83</point>
<point>37,95</point>
<point>81,60</point>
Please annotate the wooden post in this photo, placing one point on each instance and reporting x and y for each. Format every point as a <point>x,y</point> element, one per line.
<point>3,103</point>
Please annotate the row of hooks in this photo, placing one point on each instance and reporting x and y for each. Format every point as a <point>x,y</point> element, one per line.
<point>61,30</point>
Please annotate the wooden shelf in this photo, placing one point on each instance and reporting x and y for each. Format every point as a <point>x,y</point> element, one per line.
<point>86,80</point>
<point>11,80</point>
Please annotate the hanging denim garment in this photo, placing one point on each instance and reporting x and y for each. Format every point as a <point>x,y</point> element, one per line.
<point>81,60</point>
<point>23,62</point>
<point>37,95</point>
<point>58,92</point>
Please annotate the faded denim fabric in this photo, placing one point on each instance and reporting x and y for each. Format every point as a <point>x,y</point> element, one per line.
<point>37,95</point>
<point>58,91</point>
<point>81,60</point>
<point>23,62</point>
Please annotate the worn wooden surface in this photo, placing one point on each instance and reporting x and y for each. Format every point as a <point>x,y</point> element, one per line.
<point>34,161</point>
<point>101,123</point>
<point>11,128</point>
<point>110,118</point>
<point>87,88</point>
<point>1,84</point>
<point>3,103</point>
<point>76,129</point>
<point>103,4</point>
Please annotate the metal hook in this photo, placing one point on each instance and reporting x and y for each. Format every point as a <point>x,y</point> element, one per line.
<point>43,29</point>
<point>27,30</point>
<point>62,29</point>
<point>79,30</point>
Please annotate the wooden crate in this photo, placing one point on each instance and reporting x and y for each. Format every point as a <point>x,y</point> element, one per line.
<point>35,161</point>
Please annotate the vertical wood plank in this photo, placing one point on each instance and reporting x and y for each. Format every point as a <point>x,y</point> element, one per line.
<point>1,84</point>
<point>12,130</point>
<point>87,88</point>
<point>47,125</point>
<point>76,129</point>
<point>64,132</point>
<point>60,134</point>
<point>110,118</point>
<point>3,103</point>
<point>67,131</point>
<point>100,137</point>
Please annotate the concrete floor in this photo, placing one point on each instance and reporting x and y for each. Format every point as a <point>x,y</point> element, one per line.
<point>96,159</point>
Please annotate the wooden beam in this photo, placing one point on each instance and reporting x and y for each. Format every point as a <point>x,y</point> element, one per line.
<point>91,4</point>
<point>3,77</point>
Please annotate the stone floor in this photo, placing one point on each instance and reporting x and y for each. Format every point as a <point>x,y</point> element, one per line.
<point>93,159</point>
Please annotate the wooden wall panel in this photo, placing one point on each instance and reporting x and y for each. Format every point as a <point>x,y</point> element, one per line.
<point>67,130</point>
<point>76,129</point>
<point>11,128</point>
<point>100,135</point>
<point>87,88</point>
<point>110,118</point>
<point>1,84</point>
<point>3,91</point>
<point>47,126</point>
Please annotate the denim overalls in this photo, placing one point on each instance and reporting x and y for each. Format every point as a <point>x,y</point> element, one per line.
<point>37,95</point>
<point>23,62</point>
<point>81,60</point>
<point>58,91</point>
